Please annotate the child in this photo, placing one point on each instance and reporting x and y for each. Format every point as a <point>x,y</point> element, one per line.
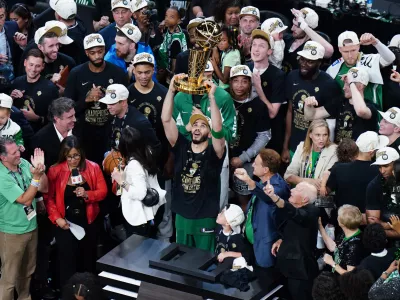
<point>230,55</point>
<point>229,240</point>
<point>275,27</point>
<point>8,128</point>
<point>174,40</point>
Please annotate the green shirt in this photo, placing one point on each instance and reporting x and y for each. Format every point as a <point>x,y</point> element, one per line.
<point>229,59</point>
<point>372,91</point>
<point>249,231</point>
<point>13,219</point>
<point>312,165</point>
<point>183,104</point>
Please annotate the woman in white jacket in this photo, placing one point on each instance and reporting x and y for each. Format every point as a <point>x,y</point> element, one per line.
<point>139,174</point>
<point>313,157</point>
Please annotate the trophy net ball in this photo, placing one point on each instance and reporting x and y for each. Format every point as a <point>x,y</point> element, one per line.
<point>208,34</point>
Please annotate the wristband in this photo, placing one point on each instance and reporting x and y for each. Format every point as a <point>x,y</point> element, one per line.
<point>352,82</point>
<point>303,25</point>
<point>36,180</point>
<point>217,135</point>
<point>35,184</point>
<point>279,198</point>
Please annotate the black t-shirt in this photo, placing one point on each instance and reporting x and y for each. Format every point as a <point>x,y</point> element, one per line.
<point>196,181</point>
<point>38,95</point>
<point>290,61</point>
<point>395,145</point>
<point>103,8</point>
<point>323,88</point>
<point>182,63</point>
<point>348,124</point>
<point>349,251</point>
<point>81,81</point>
<point>132,119</point>
<point>384,195</point>
<point>150,105</point>
<point>390,90</point>
<point>234,242</point>
<point>377,265</point>
<point>75,50</point>
<point>252,117</point>
<point>350,181</point>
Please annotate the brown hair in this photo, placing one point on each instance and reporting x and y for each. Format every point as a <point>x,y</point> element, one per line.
<point>347,150</point>
<point>35,53</point>
<point>308,142</point>
<point>349,216</point>
<point>271,159</point>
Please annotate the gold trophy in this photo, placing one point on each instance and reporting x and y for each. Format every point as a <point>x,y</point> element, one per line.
<point>207,34</point>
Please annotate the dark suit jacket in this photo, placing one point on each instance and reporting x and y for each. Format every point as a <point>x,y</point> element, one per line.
<point>47,140</point>
<point>11,28</point>
<point>295,257</point>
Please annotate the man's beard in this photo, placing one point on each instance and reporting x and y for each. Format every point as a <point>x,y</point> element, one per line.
<point>122,55</point>
<point>202,139</point>
<point>97,65</point>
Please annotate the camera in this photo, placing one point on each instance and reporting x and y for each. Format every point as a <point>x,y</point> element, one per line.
<point>151,12</point>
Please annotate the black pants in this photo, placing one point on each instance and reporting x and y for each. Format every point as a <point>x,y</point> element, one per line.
<point>148,229</point>
<point>77,256</point>
<point>300,289</point>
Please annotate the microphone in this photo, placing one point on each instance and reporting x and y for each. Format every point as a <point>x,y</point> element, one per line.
<point>76,178</point>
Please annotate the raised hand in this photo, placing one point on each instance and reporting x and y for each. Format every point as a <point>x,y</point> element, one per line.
<point>311,101</point>
<point>37,158</point>
<point>242,174</point>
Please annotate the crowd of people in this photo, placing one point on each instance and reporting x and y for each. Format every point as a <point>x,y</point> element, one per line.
<point>289,162</point>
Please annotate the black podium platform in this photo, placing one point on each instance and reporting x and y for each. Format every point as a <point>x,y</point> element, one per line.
<point>125,272</point>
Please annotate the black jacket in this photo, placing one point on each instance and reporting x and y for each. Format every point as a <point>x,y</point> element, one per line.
<point>47,140</point>
<point>295,258</point>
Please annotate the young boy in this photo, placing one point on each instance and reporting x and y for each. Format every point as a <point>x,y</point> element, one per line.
<point>8,127</point>
<point>229,240</point>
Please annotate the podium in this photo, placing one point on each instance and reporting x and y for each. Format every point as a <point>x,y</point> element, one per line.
<point>125,273</point>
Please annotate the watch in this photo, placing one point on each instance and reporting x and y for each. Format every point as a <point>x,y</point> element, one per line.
<point>386,273</point>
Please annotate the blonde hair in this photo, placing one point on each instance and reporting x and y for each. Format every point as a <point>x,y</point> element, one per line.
<point>308,142</point>
<point>350,216</point>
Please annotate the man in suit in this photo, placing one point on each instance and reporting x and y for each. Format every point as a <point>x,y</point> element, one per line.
<point>10,43</point>
<point>62,120</point>
<point>295,250</point>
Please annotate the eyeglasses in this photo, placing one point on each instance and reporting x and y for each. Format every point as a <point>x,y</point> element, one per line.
<point>75,156</point>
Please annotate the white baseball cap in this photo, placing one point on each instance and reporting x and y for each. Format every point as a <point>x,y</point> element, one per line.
<point>66,9</point>
<point>143,57</point>
<point>273,25</point>
<point>312,51</point>
<point>93,40</point>
<point>264,34</point>
<point>395,41</point>
<point>392,115</point>
<point>310,16</point>
<point>385,156</point>
<point>348,35</point>
<point>63,38</point>
<point>194,22</point>
<point>132,32</point>
<point>121,4</point>
<point>234,216</point>
<point>138,4</point>
<point>370,140</point>
<point>5,101</point>
<point>240,70</point>
<point>115,93</point>
<point>209,67</point>
<point>250,11</point>
<point>358,74</point>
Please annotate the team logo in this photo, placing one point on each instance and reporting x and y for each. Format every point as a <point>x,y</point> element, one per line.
<point>383,155</point>
<point>354,72</point>
<point>249,110</point>
<point>305,13</point>
<point>113,95</point>
<point>245,72</point>
<point>238,70</point>
<point>125,2</point>
<point>265,84</point>
<point>39,93</point>
<point>316,89</point>
<point>312,49</point>
<point>99,40</point>
<point>393,113</point>
<point>275,25</point>
<point>110,81</point>
<point>130,31</point>
<point>92,38</point>
<point>159,98</point>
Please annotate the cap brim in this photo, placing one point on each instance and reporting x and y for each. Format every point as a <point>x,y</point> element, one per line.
<point>242,15</point>
<point>282,29</point>
<point>52,4</point>
<point>65,40</point>
<point>196,117</point>
<point>108,100</point>
<point>307,55</point>
<point>383,141</point>
<point>121,6</point>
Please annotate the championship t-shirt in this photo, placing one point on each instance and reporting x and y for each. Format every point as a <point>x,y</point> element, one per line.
<point>37,95</point>
<point>384,195</point>
<point>196,181</point>
<point>58,65</point>
<point>323,88</point>
<point>252,117</point>
<point>348,123</point>
<point>81,81</point>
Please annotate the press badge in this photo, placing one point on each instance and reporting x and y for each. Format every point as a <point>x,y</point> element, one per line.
<point>30,212</point>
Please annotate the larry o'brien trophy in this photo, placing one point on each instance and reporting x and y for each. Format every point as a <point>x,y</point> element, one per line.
<point>207,35</point>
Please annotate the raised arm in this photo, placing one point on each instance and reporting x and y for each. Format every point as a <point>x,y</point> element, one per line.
<point>360,107</point>
<point>218,139</point>
<point>311,112</point>
<point>171,131</point>
<point>387,56</point>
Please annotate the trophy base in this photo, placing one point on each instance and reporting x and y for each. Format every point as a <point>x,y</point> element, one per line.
<point>187,87</point>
